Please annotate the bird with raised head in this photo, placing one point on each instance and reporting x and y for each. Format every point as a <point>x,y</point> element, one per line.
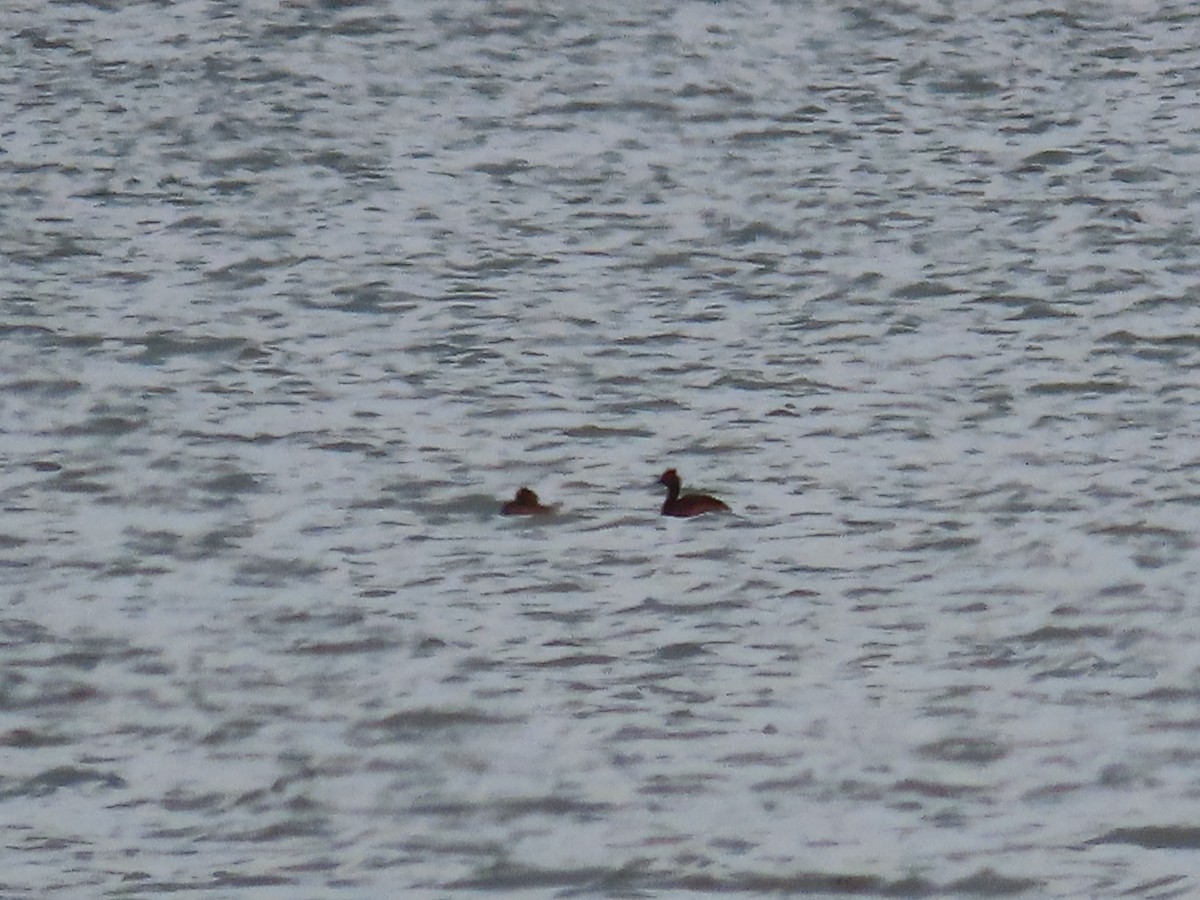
<point>688,504</point>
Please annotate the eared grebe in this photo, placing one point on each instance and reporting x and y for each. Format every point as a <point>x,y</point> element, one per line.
<point>525,503</point>
<point>688,504</point>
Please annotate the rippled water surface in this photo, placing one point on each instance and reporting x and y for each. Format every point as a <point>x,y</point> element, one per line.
<point>295,295</point>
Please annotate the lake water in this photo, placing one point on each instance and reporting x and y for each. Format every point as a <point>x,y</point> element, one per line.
<point>296,295</point>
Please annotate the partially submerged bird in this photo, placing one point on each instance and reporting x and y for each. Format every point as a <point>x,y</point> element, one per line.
<point>525,503</point>
<point>688,504</point>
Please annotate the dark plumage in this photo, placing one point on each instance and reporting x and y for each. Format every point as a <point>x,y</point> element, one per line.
<point>525,503</point>
<point>689,504</point>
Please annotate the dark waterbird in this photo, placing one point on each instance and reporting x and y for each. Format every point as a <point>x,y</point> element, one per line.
<point>525,503</point>
<point>688,504</point>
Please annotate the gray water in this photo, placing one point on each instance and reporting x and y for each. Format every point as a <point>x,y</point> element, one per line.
<point>295,295</point>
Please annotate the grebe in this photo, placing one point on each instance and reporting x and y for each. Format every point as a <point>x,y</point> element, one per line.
<point>525,503</point>
<point>688,504</point>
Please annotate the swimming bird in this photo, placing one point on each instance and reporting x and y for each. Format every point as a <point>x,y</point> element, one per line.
<point>688,504</point>
<point>525,503</point>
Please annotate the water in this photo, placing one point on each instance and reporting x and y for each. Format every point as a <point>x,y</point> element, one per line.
<point>295,296</point>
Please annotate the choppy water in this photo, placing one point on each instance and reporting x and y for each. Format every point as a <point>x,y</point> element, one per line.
<point>295,295</point>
